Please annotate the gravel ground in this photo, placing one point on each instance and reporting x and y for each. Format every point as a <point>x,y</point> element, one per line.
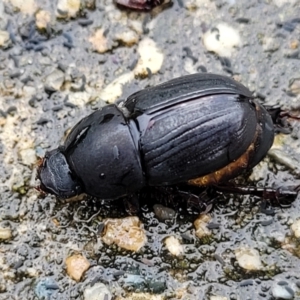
<point>59,62</point>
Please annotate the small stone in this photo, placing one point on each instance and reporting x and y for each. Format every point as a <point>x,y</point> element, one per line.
<point>222,39</point>
<point>45,288</point>
<point>26,7</point>
<point>248,258</point>
<point>5,233</point>
<point>67,8</point>
<point>218,298</point>
<point>128,38</point>
<point>294,44</point>
<point>136,25</point>
<point>54,80</point>
<point>296,228</point>
<point>42,19</point>
<point>294,86</point>
<point>141,296</point>
<point>80,98</point>
<point>100,42</point>
<point>164,213</point>
<point>76,266</point>
<point>127,233</point>
<point>270,44</point>
<point>3,16</point>
<point>151,57</point>
<point>281,290</point>
<point>174,246</point>
<point>115,89</point>
<point>98,291</point>
<point>4,39</point>
<point>201,226</point>
<point>28,156</point>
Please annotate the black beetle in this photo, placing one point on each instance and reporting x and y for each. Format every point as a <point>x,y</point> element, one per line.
<point>200,129</point>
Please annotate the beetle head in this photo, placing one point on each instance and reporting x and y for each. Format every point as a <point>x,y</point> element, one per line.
<point>56,177</point>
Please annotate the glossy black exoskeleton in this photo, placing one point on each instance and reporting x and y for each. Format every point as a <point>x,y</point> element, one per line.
<point>200,129</point>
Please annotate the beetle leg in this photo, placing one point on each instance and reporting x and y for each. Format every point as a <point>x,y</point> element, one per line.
<point>280,119</point>
<point>131,204</point>
<point>202,202</point>
<point>279,196</point>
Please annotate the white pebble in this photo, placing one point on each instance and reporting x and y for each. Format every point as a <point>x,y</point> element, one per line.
<point>128,233</point>
<point>296,228</point>
<point>218,298</point>
<point>115,89</point>
<point>201,226</point>
<point>174,246</point>
<point>26,7</point>
<point>28,156</point>
<point>222,39</point>
<point>98,291</point>
<point>5,233</point>
<point>151,57</point>
<point>80,98</point>
<point>248,258</point>
<point>282,291</point>
<point>67,8</point>
<point>4,39</point>
<point>55,80</point>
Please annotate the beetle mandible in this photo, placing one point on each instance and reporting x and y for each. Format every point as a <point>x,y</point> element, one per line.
<point>200,129</point>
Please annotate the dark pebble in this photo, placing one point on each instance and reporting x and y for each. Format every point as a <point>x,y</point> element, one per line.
<point>133,64</point>
<point>282,283</point>
<point>187,237</point>
<point>15,60</point>
<point>26,79</point>
<point>242,20</point>
<point>15,74</point>
<point>69,104</point>
<point>57,107</point>
<point>85,22</point>
<point>68,45</point>
<point>3,113</point>
<point>295,55</point>
<point>118,273</point>
<point>39,47</point>
<point>246,282</point>
<point>225,62</point>
<point>68,37</point>
<point>100,228</point>
<point>164,213</point>
<point>62,12</point>
<point>149,72</point>
<point>11,110</point>
<point>267,222</point>
<point>180,3</point>
<point>42,121</point>
<point>219,259</point>
<point>213,225</point>
<point>202,69</point>
<point>189,54</point>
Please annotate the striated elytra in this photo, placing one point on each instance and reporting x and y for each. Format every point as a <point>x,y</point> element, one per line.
<point>200,129</point>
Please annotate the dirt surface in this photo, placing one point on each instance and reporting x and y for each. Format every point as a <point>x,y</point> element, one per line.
<point>58,63</point>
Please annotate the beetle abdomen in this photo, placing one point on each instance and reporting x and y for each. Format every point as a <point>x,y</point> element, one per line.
<point>196,137</point>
